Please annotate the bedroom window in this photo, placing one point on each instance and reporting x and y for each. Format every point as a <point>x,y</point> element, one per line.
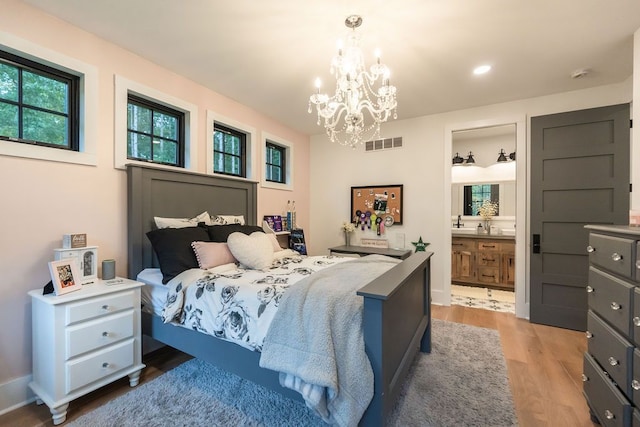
<point>155,132</point>
<point>276,163</point>
<point>39,105</point>
<point>229,151</point>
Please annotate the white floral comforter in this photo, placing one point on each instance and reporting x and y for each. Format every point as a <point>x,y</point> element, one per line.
<point>234,303</point>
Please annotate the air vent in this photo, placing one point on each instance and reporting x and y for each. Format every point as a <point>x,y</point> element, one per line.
<point>383,144</point>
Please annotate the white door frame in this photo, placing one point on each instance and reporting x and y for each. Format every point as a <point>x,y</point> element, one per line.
<point>522,198</point>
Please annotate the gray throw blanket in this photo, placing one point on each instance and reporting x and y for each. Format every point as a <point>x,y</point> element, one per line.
<point>316,340</point>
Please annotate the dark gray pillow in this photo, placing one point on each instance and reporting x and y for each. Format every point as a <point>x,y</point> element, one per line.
<point>173,249</point>
<point>220,233</point>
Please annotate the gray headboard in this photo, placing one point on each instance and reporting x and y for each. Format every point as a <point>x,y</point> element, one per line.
<point>178,194</point>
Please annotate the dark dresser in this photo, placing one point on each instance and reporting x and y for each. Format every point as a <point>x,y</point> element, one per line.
<point>611,375</point>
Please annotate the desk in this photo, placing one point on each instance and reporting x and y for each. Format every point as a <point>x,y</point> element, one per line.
<point>363,250</point>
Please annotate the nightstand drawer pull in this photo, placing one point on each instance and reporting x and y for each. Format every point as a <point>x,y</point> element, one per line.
<point>591,249</point>
<point>613,361</point>
<point>588,334</point>
<point>105,365</point>
<point>590,290</point>
<point>635,384</point>
<point>615,306</point>
<point>636,321</point>
<point>609,415</point>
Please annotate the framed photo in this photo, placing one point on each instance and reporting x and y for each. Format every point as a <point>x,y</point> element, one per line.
<point>86,258</point>
<point>65,276</point>
<point>383,200</point>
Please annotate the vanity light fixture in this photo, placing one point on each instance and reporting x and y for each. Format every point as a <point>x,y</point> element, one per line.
<point>470,159</point>
<point>512,156</point>
<point>502,157</point>
<point>457,160</point>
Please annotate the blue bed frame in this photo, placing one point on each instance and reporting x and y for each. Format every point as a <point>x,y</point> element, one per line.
<point>397,315</point>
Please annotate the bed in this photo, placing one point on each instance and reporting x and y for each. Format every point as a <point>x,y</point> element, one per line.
<point>396,316</point>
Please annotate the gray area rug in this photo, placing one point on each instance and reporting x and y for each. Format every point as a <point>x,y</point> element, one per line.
<point>462,382</point>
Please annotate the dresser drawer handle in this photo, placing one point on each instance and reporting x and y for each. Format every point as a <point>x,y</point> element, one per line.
<point>105,365</point>
<point>615,306</point>
<point>105,307</point>
<point>105,334</point>
<point>609,415</point>
<point>613,361</point>
<point>638,265</point>
<point>636,321</point>
<point>635,384</point>
<point>590,290</point>
<point>591,249</point>
<point>616,256</point>
<point>585,378</point>
<point>588,334</point>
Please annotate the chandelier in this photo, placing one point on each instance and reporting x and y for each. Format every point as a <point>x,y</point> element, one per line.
<point>354,113</point>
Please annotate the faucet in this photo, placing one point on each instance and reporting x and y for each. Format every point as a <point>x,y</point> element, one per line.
<point>458,224</point>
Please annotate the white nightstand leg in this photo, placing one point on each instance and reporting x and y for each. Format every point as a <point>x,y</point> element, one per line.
<point>59,414</point>
<point>134,378</point>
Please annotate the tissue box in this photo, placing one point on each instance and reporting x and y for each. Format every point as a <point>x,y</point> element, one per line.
<point>70,241</point>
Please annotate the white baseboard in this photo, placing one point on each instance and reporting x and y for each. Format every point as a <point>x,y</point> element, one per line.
<point>14,394</point>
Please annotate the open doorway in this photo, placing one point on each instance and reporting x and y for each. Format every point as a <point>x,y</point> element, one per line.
<point>483,217</point>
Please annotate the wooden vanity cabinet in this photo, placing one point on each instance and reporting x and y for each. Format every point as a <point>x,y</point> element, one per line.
<point>482,261</point>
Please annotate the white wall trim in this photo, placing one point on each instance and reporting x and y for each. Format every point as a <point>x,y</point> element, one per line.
<point>15,394</point>
<point>122,88</point>
<point>522,219</point>
<point>289,184</point>
<point>88,104</point>
<point>252,142</point>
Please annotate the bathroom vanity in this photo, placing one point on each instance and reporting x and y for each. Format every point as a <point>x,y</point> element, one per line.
<point>483,260</point>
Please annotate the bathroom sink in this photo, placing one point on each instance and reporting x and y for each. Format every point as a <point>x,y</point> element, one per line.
<point>508,231</point>
<point>463,230</point>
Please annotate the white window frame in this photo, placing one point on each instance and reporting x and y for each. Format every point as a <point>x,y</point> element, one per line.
<point>88,91</point>
<point>124,87</point>
<point>288,150</point>
<point>212,118</point>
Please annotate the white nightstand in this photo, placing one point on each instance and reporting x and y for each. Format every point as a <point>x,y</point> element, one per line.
<point>84,340</point>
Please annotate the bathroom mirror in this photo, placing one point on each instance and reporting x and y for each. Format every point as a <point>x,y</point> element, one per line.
<point>503,192</point>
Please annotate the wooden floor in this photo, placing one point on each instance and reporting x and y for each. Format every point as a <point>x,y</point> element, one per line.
<point>544,364</point>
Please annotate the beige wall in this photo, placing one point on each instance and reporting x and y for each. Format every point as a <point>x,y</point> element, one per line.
<point>41,200</point>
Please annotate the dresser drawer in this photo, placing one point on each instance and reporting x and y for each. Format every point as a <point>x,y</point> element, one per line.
<point>489,246</point>
<point>635,317</point>
<point>97,333</point>
<point>489,275</point>
<point>636,418</point>
<point>608,403</point>
<point>611,350</point>
<point>463,244</point>
<point>635,378</point>
<point>612,298</point>
<point>488,259</point>
<point>98,365</point>
<point>612,253</point>
<point>100,306</point>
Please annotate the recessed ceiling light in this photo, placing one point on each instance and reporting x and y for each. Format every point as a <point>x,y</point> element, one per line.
<point>482,69</point>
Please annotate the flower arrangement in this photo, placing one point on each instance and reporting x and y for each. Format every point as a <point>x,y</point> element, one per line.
<point>348,227</point>
<point>488,209</point>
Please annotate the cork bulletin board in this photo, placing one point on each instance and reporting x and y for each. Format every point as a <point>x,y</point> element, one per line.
<point>383,200</point>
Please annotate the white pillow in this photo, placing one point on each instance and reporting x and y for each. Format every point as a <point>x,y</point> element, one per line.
<point>182,222</point>
<point>254,251</point>
<point>226,219</point>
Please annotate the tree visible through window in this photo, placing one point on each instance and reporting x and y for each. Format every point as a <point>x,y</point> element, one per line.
<point>155,133</point>
<point>276,163</point>
<point>229,147</point>
<point>38,104</point>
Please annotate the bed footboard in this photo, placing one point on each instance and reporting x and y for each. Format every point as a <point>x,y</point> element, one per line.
<point>397,323</point>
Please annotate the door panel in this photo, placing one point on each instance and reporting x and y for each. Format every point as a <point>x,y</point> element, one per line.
<point>579,176</point>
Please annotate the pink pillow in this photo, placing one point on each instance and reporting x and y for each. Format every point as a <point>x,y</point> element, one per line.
<point>212,254</point>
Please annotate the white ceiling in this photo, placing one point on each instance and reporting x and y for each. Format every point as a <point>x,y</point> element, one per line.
<point>267,54</point>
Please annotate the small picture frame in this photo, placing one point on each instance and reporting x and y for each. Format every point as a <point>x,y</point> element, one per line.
<point>65,276</point>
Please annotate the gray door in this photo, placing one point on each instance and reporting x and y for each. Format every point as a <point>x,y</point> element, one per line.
<point>579,175</point>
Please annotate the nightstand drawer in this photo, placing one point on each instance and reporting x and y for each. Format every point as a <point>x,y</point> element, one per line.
<point>96,307</point>
<point>611,298</point>
<point>612,253</point>
<point>95,366</point>
<point>98,333</point>
<point>612,351</point>
<point>605,399</point>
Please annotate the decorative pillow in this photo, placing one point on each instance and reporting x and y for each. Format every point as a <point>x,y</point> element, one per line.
<point>226,219</point>
<point>212,254</point>
<point>274,241</point>
<point>220,233</point>
<point>182,222</point>
<point>173,249</point>
<point>254,251</point>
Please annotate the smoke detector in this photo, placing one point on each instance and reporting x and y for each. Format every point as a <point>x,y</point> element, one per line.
<point>578,74</point>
